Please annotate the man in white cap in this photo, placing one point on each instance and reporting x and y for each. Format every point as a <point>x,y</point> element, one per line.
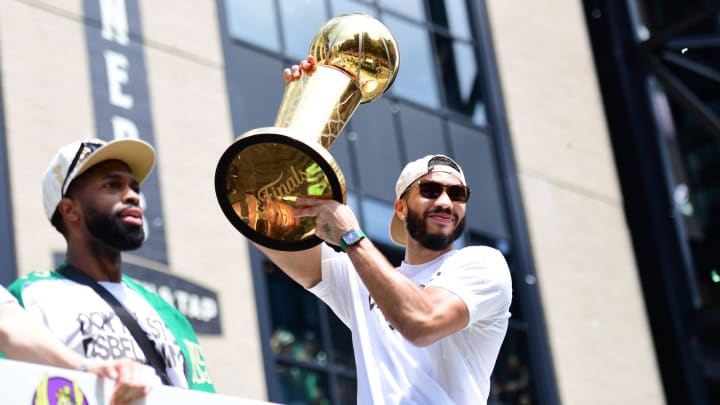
<point>428,332</point>
<point>91,195</point>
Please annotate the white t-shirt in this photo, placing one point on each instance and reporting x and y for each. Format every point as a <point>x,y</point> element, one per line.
<point>5,296</point>
<point>82,320</point>
<point>453,370</point>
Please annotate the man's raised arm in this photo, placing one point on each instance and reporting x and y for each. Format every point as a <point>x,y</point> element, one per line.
<point>302,266</point>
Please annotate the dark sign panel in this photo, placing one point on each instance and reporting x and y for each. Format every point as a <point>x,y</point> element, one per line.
<point>7,237</point>
<point>197,303</point>
<point>121,99</point>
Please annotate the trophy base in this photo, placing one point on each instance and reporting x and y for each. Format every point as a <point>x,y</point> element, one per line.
<point>260,175</point>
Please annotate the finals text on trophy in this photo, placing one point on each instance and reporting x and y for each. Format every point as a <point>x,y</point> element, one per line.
<point>264,170</point>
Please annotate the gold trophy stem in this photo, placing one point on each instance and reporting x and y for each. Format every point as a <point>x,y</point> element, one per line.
<point>329,98</point>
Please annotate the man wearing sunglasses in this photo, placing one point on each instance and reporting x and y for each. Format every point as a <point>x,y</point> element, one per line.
<point>429,331</point>
<point>91,195</point>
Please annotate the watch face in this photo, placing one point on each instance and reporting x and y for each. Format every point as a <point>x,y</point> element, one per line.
<point>351,237</point>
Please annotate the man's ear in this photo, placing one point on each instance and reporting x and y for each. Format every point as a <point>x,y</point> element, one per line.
<point>401,208</point>
<point>69,210</point>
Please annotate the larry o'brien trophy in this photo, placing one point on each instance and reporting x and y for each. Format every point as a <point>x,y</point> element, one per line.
<point>264,170</point>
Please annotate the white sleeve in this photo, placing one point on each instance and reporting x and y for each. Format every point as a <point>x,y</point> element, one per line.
<point>334,288</point>
<point>5,296</point>
<point>32,295</point>
<point>480,276</point>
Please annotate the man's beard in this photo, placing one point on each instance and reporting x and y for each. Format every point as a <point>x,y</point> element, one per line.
<point>417,228</point>
<point>112,232</point>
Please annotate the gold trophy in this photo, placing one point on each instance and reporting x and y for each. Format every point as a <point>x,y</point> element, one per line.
<point>264,170</point>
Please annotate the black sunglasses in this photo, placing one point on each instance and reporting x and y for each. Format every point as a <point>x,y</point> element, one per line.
<point>433,190</point>
<point>91,147</point>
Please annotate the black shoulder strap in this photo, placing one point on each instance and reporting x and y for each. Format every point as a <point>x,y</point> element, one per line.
<point>148,347</point>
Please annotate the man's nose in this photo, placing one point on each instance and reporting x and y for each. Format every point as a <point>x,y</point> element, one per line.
<point>132,196</point>
<point>444,199</point>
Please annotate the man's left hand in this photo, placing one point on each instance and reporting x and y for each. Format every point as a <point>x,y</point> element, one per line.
<point>133,381</point>
<point>332,219</point>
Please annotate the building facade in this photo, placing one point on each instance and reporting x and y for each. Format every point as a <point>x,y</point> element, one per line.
<point>513,91</point>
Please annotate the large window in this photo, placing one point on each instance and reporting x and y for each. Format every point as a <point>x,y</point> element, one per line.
<point>313,353</point>
<point>511,381</point>
<point>438,55</point>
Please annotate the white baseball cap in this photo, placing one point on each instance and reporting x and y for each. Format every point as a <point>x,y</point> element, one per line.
<point>413,171</point>
<point>76,158</point>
